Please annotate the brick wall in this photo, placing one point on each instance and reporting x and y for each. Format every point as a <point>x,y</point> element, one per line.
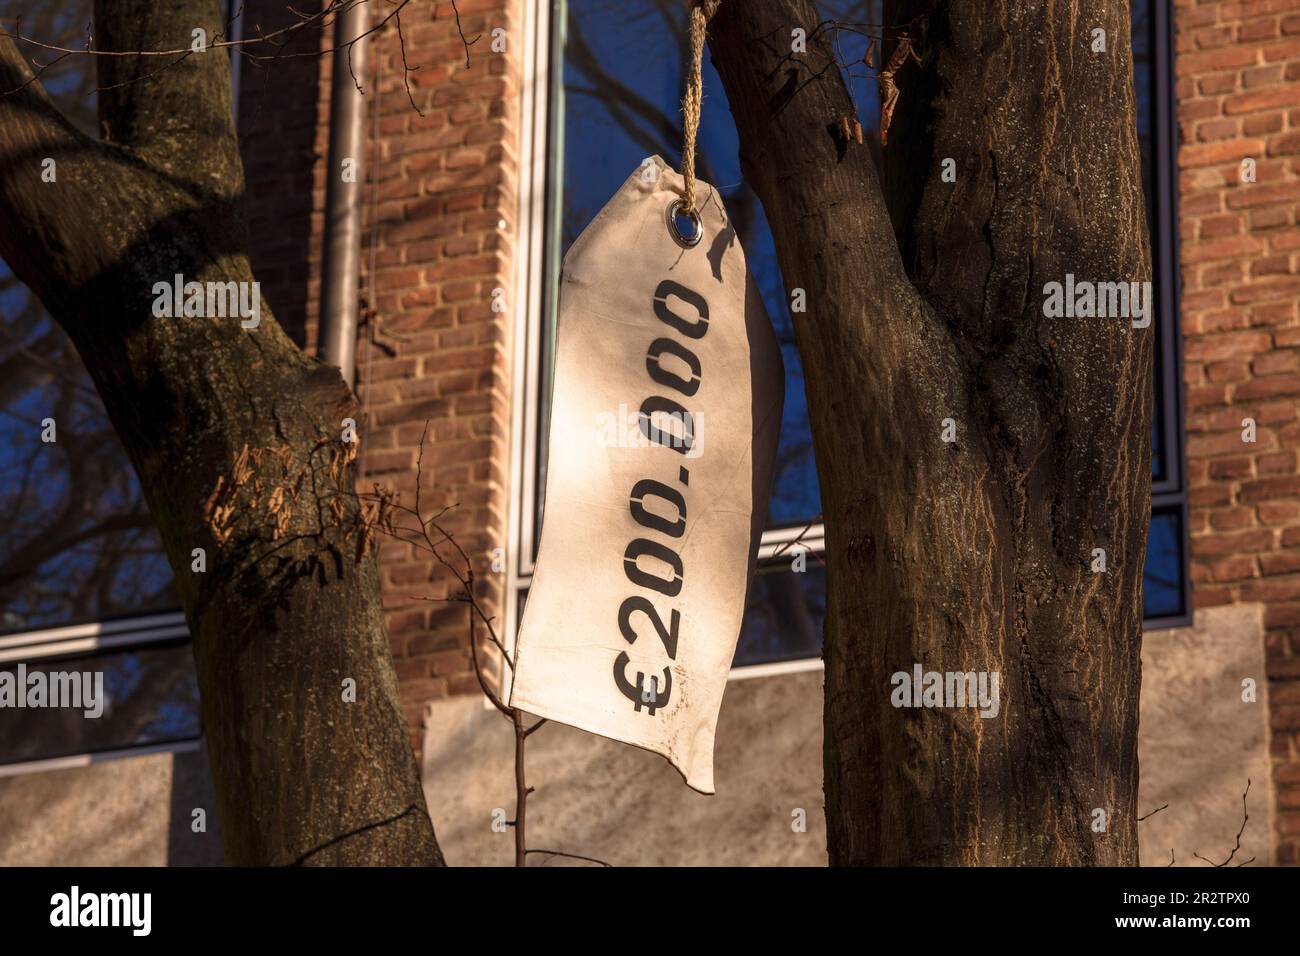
<point>446,211</point>
<point>440,215</point>
<point>1238,88</point>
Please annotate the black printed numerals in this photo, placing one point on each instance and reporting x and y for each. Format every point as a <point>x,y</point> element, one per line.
<point>652,693</point>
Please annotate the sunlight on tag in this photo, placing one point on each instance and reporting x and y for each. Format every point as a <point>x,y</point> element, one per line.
<point>664,423</point>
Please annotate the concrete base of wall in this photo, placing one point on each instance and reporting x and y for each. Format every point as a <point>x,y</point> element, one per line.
<point>1198,744</point>
<point>135,811</point>
<point>627,806</point>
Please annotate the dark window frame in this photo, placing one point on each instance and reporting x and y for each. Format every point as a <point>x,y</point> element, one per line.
<point>139,634</point>
<point>1169,495</point>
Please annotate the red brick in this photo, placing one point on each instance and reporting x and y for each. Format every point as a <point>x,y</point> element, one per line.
<point>1273,413</point>
<point>1280,562</point>
<point>1269,218</point>
<point>1227,469</point>
<point>1206,395</point>
<point>1274,363</point>
<point>1212,37</point>
<point>1230,151</point>
<point>1215,226</point>
<point>1264,29</point>
<point>1262,193</point>
<point>1229,345</point>
<point>1237,568</point>
<point>1203,597</point>
<point>1284,145</point>
<point>1282,615</point>
<point>1271,266</point>
<point>1281,463</point>
<point>1285,50</point>
<point>1278,512</point>
<point>1234,543</point>
<point>1226,58</point>
<point>1263,289</point>
<point>1266,488</point>
<point>1269,387</point>
<point>1216,130</point>
<point>1215,84</point>
<point>1260,124</point>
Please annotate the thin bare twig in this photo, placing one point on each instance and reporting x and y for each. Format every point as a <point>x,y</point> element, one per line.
<point>339,5</point>
<point>1244,817</point>
<point>797,542</point>
<point>459,29</point>
<point>276,40</point>
<point>1152,813</point>
<point>571,856</point>
<point>383,509</point>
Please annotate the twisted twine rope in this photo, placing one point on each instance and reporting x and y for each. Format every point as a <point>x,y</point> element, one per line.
<point>701,13</point>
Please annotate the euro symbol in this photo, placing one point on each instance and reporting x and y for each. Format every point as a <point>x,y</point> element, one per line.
<point>648,696</point>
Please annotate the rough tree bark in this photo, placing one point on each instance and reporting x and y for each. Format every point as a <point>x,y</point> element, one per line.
<point>236,435</point>
<point>973,555</point>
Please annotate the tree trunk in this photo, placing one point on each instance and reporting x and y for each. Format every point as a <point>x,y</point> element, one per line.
<point>976,554</point>
<point>237,438</point>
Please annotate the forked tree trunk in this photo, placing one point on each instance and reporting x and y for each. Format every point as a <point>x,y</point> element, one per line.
<point>236,436</point>
<point>973,555</point>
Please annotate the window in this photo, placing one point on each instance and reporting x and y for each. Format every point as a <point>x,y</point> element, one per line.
<point>84,583</point>
<point>615,81</point>
<point>1167,590</point>
<point>79,544</point>
<point>149,695</point>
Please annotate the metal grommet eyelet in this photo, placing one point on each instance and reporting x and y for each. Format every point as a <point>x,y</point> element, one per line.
<point>674,228</point>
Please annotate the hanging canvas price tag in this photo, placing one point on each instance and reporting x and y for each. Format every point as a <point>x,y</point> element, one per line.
<point>664,422</point>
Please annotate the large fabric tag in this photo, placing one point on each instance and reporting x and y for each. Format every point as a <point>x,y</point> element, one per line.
<point>664,423</point>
